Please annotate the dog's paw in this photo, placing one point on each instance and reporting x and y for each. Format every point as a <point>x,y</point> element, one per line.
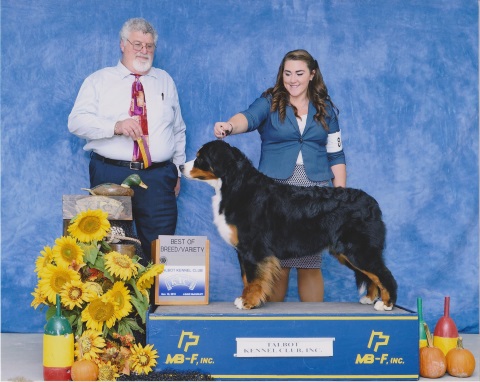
<point>242,303</point>
<point>239,303</point>
<point>380,305</point>
<point>365,300</point>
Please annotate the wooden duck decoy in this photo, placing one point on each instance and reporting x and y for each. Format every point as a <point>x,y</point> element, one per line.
<point>112,189</point>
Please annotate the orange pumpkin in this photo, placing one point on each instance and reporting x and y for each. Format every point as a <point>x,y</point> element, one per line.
<point>432,360</point>
<point>84,370</point>
<point>460,361</point>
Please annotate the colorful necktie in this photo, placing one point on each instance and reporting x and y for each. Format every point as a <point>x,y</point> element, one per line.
<point>138,111</point>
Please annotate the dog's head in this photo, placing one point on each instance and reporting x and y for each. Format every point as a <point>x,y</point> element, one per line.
<point>215,160</point>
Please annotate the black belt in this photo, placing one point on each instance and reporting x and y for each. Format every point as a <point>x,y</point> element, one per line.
<point>130,165</point>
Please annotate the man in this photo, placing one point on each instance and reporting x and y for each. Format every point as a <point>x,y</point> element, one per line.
<point>130,116</point>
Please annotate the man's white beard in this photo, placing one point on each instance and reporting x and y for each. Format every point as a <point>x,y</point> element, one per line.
<point>142,67</point>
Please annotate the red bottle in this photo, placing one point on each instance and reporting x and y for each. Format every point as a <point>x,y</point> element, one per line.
<point>446,333</point>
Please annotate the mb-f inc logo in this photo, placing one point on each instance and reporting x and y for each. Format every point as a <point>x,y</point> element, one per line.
<point>376,344</point>
<point>185,342</point>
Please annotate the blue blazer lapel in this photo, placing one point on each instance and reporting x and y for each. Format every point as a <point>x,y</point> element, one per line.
<point>291,117</point>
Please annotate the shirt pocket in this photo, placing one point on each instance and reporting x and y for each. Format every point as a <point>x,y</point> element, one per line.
<point>163,113</point>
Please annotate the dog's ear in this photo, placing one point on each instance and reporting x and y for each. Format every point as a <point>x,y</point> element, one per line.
<point>221,157</point>
<point>212,157</point>
<point>224,159</point>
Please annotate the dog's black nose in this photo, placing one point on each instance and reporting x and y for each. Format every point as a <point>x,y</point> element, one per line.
<point>181,167</point>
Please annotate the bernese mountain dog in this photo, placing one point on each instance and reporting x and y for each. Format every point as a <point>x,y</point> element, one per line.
<point>266,221</point>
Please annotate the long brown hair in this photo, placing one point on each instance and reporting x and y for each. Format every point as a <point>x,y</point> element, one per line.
<point>317,90</point>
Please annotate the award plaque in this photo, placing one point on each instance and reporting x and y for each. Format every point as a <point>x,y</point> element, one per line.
<point>184,280</point>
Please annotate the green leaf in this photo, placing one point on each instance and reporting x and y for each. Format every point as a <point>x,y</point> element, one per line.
<point>134,325</point>
<point>50,312</point>
<point>128,325</point>
<point>105,247</point>
<point>142,306</point>
<point>124,328</point>
<point>90,252</point>
<point>71,318</point>
<point>100,265</point>
<point>105,330</point>
<point>79,327</point>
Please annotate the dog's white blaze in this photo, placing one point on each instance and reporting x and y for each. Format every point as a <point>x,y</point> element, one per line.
<point>219,219</point>
<point>187,167</point>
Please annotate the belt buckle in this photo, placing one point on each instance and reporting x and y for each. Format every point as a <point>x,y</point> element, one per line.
<point>136,166</point>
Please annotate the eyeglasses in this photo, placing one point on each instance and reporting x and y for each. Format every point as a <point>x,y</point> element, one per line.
<point>138,46</point>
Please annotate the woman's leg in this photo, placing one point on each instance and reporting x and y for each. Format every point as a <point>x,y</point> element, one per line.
<point>310,284</point>
<point>281,286</point>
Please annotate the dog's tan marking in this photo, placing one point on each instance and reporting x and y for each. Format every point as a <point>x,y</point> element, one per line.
<point>341,258</point>
<point>372,292</point>
<point>244,279</point>
<point>202,174</point>
<point>233,235</point>
<point>376,284</point>
<point>255,293</point>
<point>383,292</point>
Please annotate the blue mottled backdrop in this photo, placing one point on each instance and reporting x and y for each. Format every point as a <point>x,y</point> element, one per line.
<point>404,75</point>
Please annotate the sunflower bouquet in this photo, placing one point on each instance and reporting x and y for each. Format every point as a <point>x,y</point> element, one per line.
<point>104,295</point>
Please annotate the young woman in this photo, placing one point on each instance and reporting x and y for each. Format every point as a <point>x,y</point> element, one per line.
<point>301,145</point>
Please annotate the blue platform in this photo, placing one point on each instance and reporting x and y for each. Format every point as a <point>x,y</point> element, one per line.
<point>287,341</point>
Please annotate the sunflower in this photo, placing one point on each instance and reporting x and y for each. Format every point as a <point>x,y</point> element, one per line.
<point>45,258</point>
<point>120,265</point>
<point>99,311</point>
<point>38,298</point>
<point>53,278</point>
<point>95,288</point>
<point>89,225</point>
<point>67,251</point>
<point>143,358</point>
<point>107,371</point>
<point>120,294</point>
<point>89,345</point>
<point>75,293</point>
<point>146,280</point>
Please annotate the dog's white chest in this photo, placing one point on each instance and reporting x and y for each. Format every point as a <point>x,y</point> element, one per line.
<point>224,229</point>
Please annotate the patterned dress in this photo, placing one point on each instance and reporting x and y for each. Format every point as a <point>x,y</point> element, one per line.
<point>299,178</point>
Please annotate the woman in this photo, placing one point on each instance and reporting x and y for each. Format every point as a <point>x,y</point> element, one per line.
<point>301,145</point>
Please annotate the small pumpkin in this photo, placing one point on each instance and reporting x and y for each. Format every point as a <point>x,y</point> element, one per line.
<point>433,363</point>
<point>460,361</point>
<point>84,370</point>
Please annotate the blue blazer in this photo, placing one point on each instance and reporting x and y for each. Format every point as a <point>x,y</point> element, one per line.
<point>282,142</point>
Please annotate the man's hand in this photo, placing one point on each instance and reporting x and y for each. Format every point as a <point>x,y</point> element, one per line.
<point>128,127</point>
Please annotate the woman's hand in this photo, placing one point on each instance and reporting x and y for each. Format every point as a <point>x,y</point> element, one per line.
<point>222,129</point>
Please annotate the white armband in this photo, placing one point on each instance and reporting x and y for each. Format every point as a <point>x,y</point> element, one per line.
<point>334,142</point>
